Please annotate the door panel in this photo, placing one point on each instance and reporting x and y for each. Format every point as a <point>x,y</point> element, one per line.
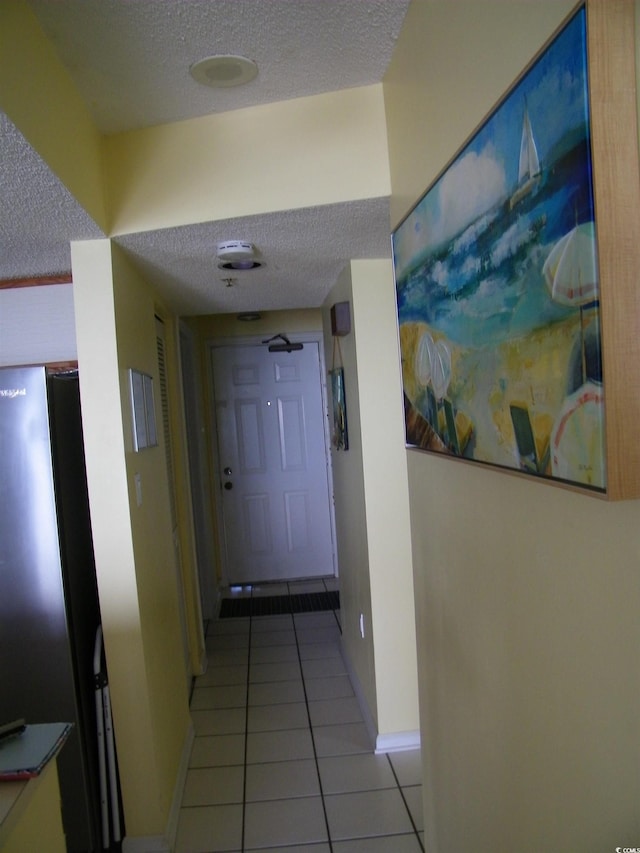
<point>291,426</point>
<point>299,537</point>
<point>273,457</point>
<point>250,437</point>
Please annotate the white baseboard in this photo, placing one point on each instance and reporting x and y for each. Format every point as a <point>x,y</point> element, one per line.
<point>165,843</point>
<point>146,844</point>
<point>397,742</point>
<point>369,722</point>
<point>390,742</point>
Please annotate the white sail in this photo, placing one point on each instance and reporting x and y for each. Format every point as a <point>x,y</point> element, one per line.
<point>529,165</point>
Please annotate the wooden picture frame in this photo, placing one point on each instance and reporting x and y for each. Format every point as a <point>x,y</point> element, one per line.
<point>611,45</point>
<point>439,422</point>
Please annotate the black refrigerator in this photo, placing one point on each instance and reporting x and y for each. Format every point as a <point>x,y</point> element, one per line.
<point>49,609</point>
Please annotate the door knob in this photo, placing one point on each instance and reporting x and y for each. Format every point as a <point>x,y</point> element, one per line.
<point>228,486</point>
<point>228,472</point>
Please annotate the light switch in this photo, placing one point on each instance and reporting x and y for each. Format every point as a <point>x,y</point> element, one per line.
<point>138,481</point>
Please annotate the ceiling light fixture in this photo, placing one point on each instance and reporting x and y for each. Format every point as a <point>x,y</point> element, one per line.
<point>237,255</point>
<point>224,71</point>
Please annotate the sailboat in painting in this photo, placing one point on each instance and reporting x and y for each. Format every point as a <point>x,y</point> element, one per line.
<point>529,164</point>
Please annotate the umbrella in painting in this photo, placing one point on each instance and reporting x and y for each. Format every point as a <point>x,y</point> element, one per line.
<point>433,364</point>
<point>571,270</point>
<point>423,359</point>
<point>577,439</point>
<point>571,273</point>
<point>441,369</point>
<point>433,371</point>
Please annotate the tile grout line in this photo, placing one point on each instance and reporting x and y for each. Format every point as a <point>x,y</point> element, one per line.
<point>324,584</point>
<point>291,614</point>
<point>298,626</point>
<point>246,736</point>
<point>395,776</point>
<point>208,626</point>
<point>313,739</point>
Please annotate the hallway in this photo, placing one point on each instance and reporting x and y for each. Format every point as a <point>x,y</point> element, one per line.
<point>281,759</point>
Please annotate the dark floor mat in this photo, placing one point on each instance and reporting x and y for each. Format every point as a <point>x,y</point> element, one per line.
<point>273,605</point>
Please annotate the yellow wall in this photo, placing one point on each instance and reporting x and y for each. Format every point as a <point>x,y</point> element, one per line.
<point>526,595</point>
<point>270,323</point>
<point>386,496</point>
<point>372,506</point>
<point>133,548</point>
<point>350,511</point>
<point>299,153</point>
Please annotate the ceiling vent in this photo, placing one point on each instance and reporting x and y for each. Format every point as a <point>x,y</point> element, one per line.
<point>237,255</point>
<point>224,71</point>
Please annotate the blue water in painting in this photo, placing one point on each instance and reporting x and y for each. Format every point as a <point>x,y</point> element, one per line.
<point>468,259</point>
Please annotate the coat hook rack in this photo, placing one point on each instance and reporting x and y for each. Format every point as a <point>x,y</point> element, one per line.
<point>287,346</point>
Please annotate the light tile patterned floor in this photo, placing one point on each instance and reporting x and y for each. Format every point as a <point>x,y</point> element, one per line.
<point>281,759</point>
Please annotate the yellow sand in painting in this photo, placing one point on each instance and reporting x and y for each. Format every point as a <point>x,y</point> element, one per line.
<point>531,371</point>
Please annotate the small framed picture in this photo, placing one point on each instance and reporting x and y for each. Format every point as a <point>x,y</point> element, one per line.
<point>340,436</point>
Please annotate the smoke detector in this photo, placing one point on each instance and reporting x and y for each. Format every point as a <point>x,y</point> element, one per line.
<point>237,255</point>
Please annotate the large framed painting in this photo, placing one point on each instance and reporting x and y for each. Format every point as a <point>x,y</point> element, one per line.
<point>496,272</point>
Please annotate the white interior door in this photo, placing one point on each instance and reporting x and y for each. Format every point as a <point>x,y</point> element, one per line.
<point>275,484</point>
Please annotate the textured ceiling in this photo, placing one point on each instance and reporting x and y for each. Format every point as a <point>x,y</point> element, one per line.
<point>38,215</point>
<point>305,252</point>
<point>130,60</point>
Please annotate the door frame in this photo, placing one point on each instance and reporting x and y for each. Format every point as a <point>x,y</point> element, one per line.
<point>204,542</point>
<point>216,342</point>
